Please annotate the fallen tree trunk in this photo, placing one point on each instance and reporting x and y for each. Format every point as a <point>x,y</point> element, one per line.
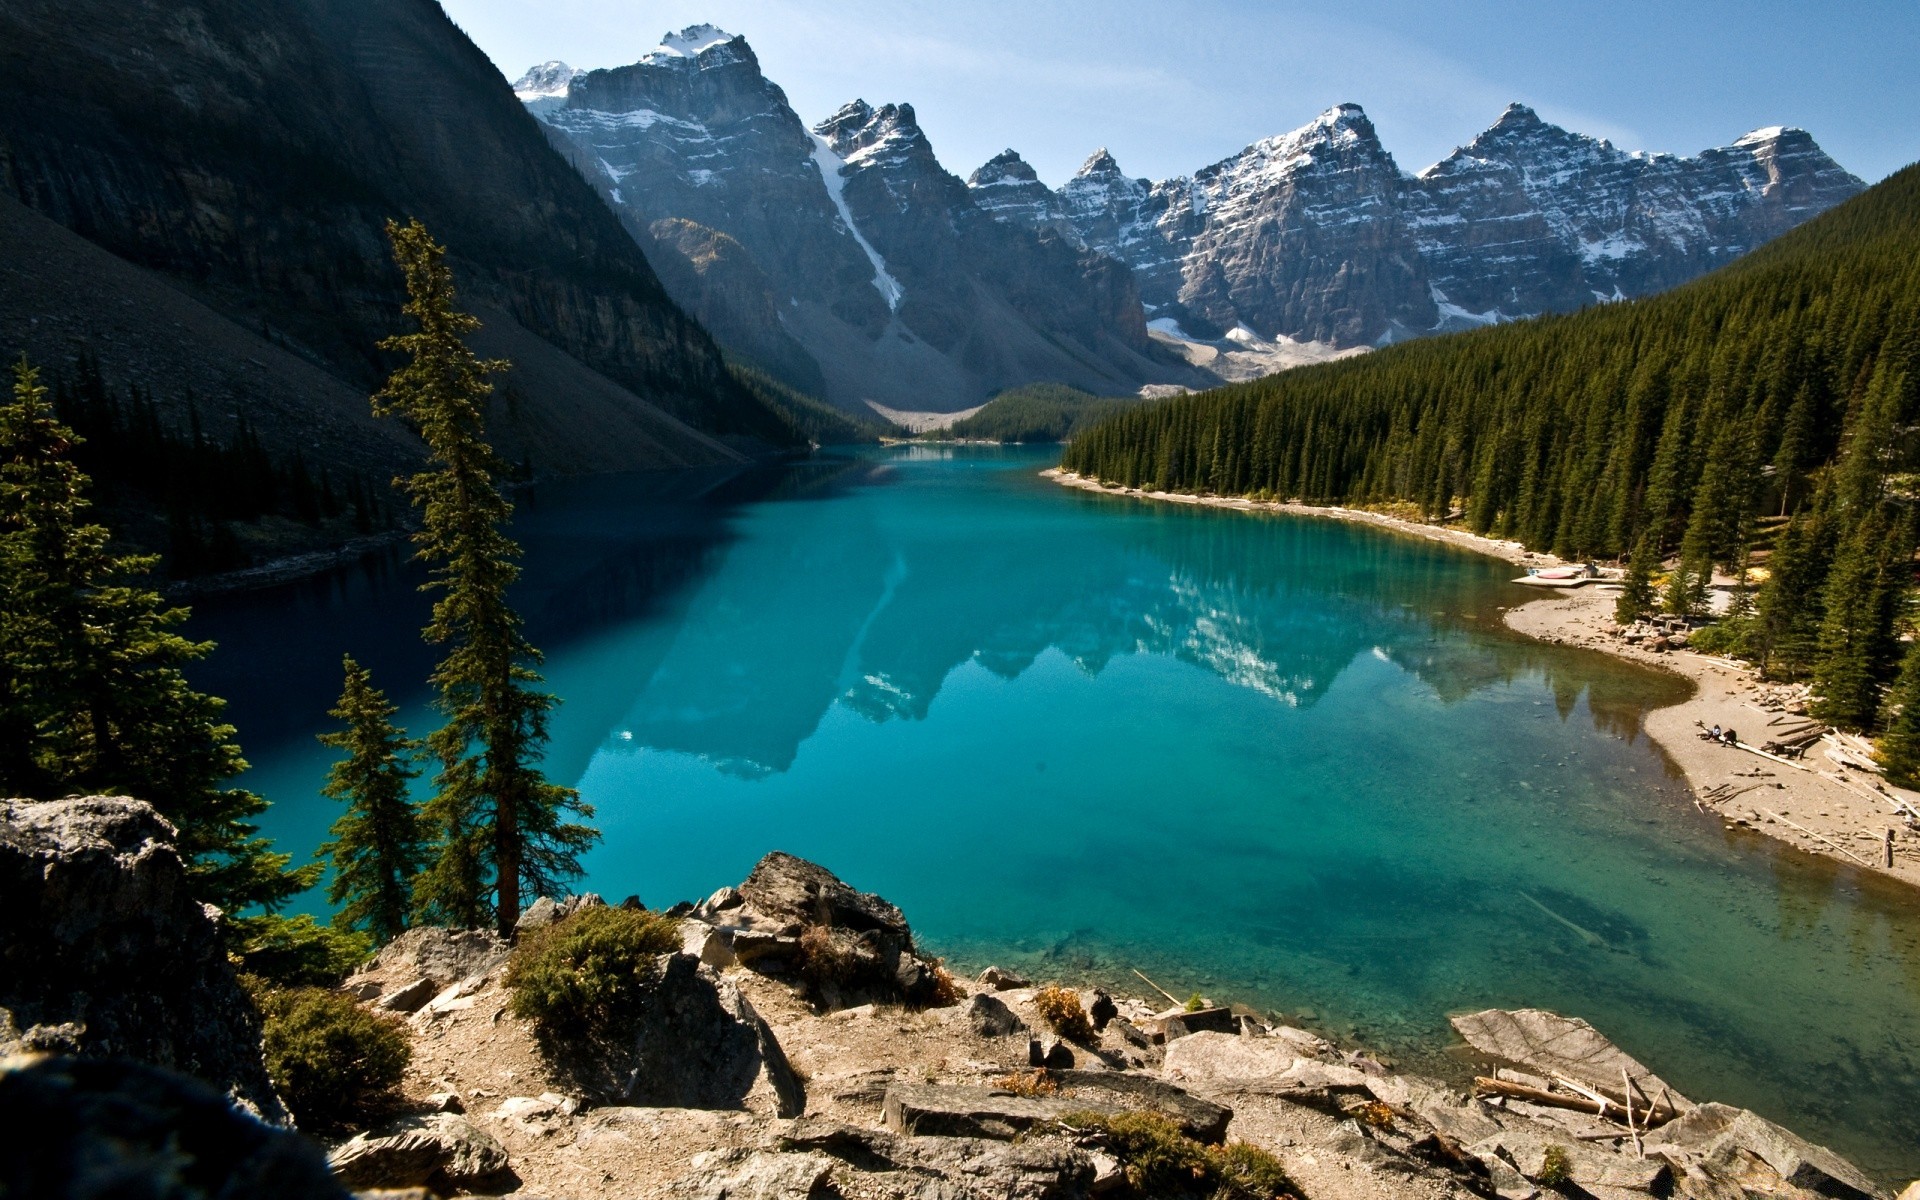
<point>1645,1116</point>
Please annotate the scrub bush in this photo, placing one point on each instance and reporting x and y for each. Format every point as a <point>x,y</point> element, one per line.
<point>1555,1167</point>
<point>1060,1008</point>
<point>336,1064</point>
<point>590,973</point>
<point>1160,1161</point>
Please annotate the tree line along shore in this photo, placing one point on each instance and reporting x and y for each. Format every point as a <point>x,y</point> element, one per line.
<point>1759,422</point>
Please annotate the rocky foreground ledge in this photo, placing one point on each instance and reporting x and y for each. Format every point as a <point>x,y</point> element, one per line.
<point>755,1073</point>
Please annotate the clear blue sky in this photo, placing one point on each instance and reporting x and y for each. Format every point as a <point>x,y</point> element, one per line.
<point>1171,86</point>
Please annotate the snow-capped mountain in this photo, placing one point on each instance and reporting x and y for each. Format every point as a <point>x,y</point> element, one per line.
<point>1317,236</point>
<point>843,258</point>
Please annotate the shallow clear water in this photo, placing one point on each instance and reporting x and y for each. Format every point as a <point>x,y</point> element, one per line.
<point>1291,762</point>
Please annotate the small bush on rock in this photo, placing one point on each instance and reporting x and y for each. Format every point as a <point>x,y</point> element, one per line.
<point>1160,1161</point>
<point>1060,1008</point>
<point>336,1064</point>
<point>1037,1082</point>
<point>1555,1168</point>
<point>590,973</point>
<point>946,990</point>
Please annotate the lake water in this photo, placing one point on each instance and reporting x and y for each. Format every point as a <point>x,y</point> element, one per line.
<point>1291,762</point>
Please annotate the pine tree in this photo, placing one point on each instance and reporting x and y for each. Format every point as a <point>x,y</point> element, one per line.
<point>111,710</point>
<point>1899,748</point>
<point>1636,596</point>
<point>379,844</point>
<point>1856,637</point>
<point>500,825</point>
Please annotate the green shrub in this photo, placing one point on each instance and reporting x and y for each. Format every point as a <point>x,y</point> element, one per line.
<point>1734,635</point>
<point>336,1064</point>
<point>1196,1002</point>
<point>296,951</point>
<point>590,973</point>
<point>1060,1008</point>
<point>1555,1168</point>
<point>1161,1161</point>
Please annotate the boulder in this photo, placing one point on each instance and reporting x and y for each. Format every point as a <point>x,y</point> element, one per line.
<point>1223,1062</point>
<point>443,1151</point>
<point>711,946</point>
<point>547,911</point>
<point>104,953</point>
<point>408,997</point>
<point>857,947</point>
<point>1715,1136</point>
<point>800,894</point>
<point>442,956</point>
<point>1550,1043</point>
<point>1590,1168</point>
<point>1049,1051</point>
<point>950,1110</point>
<point>752,1175</point>
<point>696,1044</point>
<point>79,1129</point>
<point>1202,1120</point>
<point>1002,980</point>
<point>1181,1023</point>
<point>943,1168</point>
<point>990,1017</point>
<point>1098,1006</point>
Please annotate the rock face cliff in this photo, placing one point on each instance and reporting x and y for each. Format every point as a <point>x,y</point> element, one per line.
<point>105,955</point>
<point>1316,235</point>
<point>249,154</point>
<point>843,258</point>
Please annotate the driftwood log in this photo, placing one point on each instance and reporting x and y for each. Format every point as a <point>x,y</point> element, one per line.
<point>1645,1116</point>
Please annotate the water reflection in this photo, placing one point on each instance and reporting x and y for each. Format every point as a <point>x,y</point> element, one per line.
<point>1295,762</point>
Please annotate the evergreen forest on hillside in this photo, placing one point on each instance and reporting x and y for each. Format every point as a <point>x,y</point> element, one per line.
<point>1038,412</point>
<point>1762,414</point>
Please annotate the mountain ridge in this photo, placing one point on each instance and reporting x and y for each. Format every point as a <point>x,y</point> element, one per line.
<point>1317,234</point>
<point>888,283</point>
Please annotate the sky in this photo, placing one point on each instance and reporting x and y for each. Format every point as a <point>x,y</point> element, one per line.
<point>1171,86</point>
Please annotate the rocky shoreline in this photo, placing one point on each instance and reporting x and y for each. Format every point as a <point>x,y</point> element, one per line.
<point>798,1046</point>
<point>1824,806</point>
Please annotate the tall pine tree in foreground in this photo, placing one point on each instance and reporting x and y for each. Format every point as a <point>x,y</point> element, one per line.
<point>379,843</point>
<point>500,826</point>
<point>109,708</point>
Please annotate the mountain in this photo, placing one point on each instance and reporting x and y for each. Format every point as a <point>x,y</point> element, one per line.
<point>1685,420</point>
<point>217,175</point>
<point>842,258</point>
<point>1316,236</point>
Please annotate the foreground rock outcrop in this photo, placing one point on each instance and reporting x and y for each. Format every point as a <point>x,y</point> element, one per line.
<point>81,1129</point>
<point>793,917</point>
<point>104,954</point>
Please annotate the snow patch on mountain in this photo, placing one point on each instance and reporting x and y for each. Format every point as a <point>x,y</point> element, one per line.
<point>548,80</point>
<point>1242,353</point>
<point>831,165</point>
<point>691,42</point>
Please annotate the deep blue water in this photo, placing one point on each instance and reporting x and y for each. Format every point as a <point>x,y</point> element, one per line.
<point>1292,762</point>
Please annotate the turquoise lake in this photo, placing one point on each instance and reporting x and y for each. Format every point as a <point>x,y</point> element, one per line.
<point>1286,761</point>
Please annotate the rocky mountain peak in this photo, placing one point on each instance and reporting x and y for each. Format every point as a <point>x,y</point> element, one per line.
<point>1100,163</point>
<point>549,80</point>
<point>692,44</point>
<point>859,130</point>
<point>1517,116</point>
<point>1008,189</point>
<point>1006,167</point>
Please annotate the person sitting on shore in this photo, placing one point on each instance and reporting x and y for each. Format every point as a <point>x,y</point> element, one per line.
<point>1714,733</point>
<point>1730,737</point>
